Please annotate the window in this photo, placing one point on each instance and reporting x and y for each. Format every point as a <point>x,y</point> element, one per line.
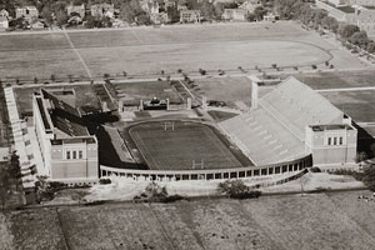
<point>335,141</point>
<point>74,154</point>
<point>329,140</point>
<point>341,141</point>
<point>80,154</point>
<point>68,155</point>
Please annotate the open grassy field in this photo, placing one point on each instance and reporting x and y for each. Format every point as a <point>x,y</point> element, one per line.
<point>293,222</point>
<point>85,94</point>
<point>149,50</point>
<point>360,105</point>
<point>340,79</point>
<point>171,150</point>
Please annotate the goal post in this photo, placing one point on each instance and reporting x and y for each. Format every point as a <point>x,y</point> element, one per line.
<point>168,126</point>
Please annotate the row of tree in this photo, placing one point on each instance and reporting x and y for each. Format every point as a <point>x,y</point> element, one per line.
<point>318,19</point>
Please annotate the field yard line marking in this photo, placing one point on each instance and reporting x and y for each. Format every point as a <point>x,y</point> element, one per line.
<point>77,53</point>
<point>346,89</point>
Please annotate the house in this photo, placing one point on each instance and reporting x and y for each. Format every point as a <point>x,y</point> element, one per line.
<point>190,16</point>
<point>104,9</point>
<point>234,15</point>
<point>160,18</point>
<point>362,16</point>
<point>79,9</point>
<point>28,12</point>
<point>38,25</point>
<point>4,23</point>
<point>250,5</point>
<point>271,17</point>
<point>4,13</point>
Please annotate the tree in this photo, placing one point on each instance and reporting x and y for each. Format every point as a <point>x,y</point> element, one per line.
<point>359,38</point>
<point>237,189</point>
<point>259,13</point>
<point>347,30</point>
<point>369,177</point>
<point>5,186</point>
<point>371,46</point>
<point>61,18</point>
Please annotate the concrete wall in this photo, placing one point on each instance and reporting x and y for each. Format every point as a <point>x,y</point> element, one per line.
<point>325,152</point>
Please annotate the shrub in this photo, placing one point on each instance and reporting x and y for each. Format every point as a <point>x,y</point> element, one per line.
<point>105,181</point>
<point>202,72</point>
<point>236,189</point>
<point>315,170</point>
<point>314,66</point>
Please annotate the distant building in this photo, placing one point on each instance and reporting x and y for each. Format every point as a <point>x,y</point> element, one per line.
<point>362,16</point>
<point>234,14</point>
<point>38,25</point>
<point>28,12</point>
<point>79,9</point>
<point>250,5</point>
<point>271,17</point>
<point>4,13</point>
<point>190,16</point>
<point>104,9</point>
<point>4,23</point>
<point>69,153</point>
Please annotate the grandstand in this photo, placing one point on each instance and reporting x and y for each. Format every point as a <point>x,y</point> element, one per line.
<point>274,131</point>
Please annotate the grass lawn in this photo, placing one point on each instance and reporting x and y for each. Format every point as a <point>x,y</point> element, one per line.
<point>168,150</point>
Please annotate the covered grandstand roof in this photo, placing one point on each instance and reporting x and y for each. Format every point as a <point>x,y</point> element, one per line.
<point>64,117</point>
<point>275,131</point>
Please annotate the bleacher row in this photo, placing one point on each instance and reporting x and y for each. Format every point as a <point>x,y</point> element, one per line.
<point>119,144</point>
<point>261,137</point>
<point>275,131</point>
<point>296,105</point>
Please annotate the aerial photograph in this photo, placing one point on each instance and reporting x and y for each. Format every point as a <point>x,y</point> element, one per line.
<point>187,124</point>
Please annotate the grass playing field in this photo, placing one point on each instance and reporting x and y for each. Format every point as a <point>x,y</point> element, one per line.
<point>177,149</point>
<point>148,50</point>
<point>314,221</point>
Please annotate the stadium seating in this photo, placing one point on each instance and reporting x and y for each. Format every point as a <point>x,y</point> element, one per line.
<point>275,131</point>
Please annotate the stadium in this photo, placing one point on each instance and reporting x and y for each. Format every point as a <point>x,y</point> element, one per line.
<point>171,136</point>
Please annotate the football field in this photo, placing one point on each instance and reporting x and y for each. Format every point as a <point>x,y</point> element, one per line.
<point>177,145</point>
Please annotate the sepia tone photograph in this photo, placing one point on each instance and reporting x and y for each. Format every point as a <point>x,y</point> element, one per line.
<point>187,124</point>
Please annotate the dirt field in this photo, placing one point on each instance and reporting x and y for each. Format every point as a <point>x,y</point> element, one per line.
<point>177,149</point>
<point>315,221</point>
<point>133,92</point>
<point>149,50</point>
<point>227,89</point>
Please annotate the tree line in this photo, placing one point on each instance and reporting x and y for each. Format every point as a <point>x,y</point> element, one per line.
<point>319,19</point>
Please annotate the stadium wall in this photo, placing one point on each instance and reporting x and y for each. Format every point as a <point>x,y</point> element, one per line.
<point>212,174</point>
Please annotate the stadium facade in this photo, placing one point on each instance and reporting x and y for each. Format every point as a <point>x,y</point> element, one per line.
<point>289,129</point>
<point>69,153</point>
